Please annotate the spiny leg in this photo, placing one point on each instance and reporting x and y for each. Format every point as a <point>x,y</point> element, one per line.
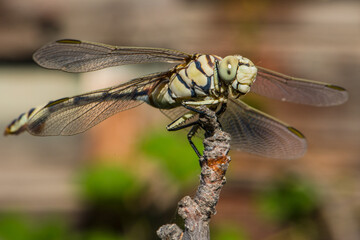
<point>218,110</point>
<point>190,135</point>
<point>221,110</point>
<point>198,123</point>
<point>182,126</point>
<point>196,127</point>
<point>179,123</point>
<point>194,108</point>
<point>205,102</point>
<point>212,104</point>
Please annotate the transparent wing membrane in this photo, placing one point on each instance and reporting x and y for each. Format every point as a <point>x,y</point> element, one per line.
<point>174,113</point>
<point>279,86</point>
<point>81,56</point>
<point>256,132</point>
<point>251,130</point>
<point>69,116</point>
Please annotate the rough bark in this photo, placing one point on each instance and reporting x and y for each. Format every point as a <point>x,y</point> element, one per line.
<point>197,211</point>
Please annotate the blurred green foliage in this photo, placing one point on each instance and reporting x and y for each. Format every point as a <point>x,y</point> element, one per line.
<point>291,203</point>
<point>114,203</point>
<point>109,183</point>
<point>117,204</point>
<point>174,153</point>
<point>101,235</point>
<point>288,200</point>
<point>227,231</point>
<point>16,227</point>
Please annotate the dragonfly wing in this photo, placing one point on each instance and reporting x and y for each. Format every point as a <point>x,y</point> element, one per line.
<point>174,113</point>
<point>282,87</point>
<point>73,115</point>
<point>256,132</point>
<point>82,56</point>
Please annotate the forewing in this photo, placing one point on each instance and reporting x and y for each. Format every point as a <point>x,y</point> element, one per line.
<point>256,132</point>
<point>69,116</point>
<point>174,113</point>
<point>279,86</point>
<point>81,56</point>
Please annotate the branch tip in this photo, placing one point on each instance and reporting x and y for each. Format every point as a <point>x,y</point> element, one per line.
<point>214,163</point>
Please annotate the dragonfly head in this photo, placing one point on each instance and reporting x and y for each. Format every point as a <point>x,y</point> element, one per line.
<point>237,71</point>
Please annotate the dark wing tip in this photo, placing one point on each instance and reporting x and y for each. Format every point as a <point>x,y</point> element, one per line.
<point>344,93</point>
<point>336,87</point>
<point>69,41</point>
<point>296,132</point>
<point>42,59</point>
<point>52,103</point>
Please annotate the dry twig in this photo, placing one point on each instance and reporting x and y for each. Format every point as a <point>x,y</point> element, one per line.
<point>197,212</point>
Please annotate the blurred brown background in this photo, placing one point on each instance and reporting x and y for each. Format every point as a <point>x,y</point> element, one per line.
<point>39,177</point>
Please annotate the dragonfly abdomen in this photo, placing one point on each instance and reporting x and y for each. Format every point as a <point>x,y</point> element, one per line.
<point>19,125</point>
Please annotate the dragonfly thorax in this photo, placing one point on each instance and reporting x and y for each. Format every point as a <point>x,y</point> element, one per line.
<point>237,72</point>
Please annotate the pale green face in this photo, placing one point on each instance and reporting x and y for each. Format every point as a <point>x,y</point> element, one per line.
<point>238,71</point>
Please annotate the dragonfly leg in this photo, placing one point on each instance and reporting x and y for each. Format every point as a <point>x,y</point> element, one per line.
<point>221,110</point>
<point>194,108</point>
<point>169,128</point>
<point>179,122</point>
<point>190,135</point>
<point>198,125</point>
<point>204,102</point>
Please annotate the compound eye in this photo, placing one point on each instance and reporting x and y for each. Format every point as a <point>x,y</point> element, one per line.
<point>228,67</point>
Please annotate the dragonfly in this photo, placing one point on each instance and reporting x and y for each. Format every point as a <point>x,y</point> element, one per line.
<point>196,80</point>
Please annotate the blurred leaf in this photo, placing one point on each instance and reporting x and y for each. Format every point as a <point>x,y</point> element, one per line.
<point>102,235</point>
<point>227,231</point>
<point>109,183</point>
<point>51,230</point>
<point>288,200</point>
<point>14,227</point>
<point>174,153</point>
